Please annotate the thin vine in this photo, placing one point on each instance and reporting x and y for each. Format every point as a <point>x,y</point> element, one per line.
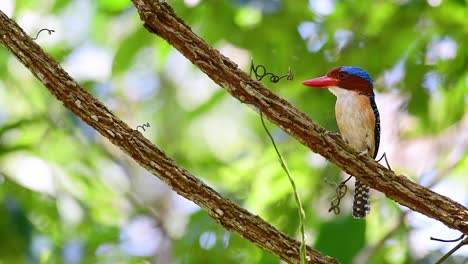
<point>296,195</point>
<point>260,72</point>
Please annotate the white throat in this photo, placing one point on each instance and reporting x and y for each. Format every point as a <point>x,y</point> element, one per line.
<point>340,92</point>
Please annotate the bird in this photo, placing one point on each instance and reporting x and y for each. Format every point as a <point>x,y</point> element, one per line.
<point>357,118</point>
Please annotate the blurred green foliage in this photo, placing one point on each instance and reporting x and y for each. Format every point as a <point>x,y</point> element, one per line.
<point>68,196</point>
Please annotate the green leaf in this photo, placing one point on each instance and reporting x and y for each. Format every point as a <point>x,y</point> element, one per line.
<point>113,6</point>
<point>341,238</point>
<point>130,47</point>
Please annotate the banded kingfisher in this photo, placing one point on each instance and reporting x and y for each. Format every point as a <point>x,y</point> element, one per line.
<point>357,117</point>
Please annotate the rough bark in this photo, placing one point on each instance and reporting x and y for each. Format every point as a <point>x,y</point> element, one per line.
<point>132,142</point>
<point>159,18</point>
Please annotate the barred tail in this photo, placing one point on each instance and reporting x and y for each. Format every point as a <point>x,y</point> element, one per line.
<point>361,201</point>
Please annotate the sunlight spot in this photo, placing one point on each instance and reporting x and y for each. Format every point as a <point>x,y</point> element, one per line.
<point>315,161</point>
<point>69,209</point>
<point>32,173</point>
<point>191,3</point>
<point>248,17</point>
<point>226,238</point>
<point>322,7</point>
<point>444,49</point>
<point>114,175</point>
<point>215,130</point>
<point>207,240</point>
<point>41,246</point>
<point>140,85</point>
<point>342,37</point>
<point>178,215</point>
<point>7,7</point>
<point>395,75</point>
<point>76,18</point>
<point>106,250</point>
<point>240,56</point>
<point>141,237</point>
<point>89,62</point>
<point>193,88</point>
<point>434,3</point>
<point>73,251</point>
<point>431,81</point>
<point>184,205</point>
<point>310,32</point>
<point>140,82</point>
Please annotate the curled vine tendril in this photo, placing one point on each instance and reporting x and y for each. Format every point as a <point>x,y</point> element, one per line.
<point>44,29</point>
<point>340,190</point>
<point>260,72</point>
<point>143,126</point>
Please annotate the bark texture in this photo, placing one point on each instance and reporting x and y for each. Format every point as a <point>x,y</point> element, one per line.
<point>159,18</point>
<point>132,142</point>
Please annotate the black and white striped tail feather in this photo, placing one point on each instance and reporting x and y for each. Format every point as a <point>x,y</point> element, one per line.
<point>361,201</point>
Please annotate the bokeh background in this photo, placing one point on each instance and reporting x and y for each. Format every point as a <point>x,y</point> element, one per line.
<point>68,196</point>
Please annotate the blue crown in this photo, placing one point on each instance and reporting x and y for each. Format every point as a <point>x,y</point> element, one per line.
<point>356,71</point>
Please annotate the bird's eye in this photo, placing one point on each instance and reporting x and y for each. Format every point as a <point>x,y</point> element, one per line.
<point>341,75</point>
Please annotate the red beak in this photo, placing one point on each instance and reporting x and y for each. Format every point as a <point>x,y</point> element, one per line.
<point>321,82</point>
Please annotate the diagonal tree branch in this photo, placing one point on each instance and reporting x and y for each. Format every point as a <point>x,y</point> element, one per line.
<point>159,18</point>
<point>132,142</point>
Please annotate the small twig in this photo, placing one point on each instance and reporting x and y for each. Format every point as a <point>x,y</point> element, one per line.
<point>44,29</point>
<point>453,250</point>
<point>448,240</point>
